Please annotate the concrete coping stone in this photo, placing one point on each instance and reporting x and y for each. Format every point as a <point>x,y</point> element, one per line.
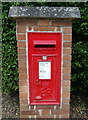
<point>44,12</point>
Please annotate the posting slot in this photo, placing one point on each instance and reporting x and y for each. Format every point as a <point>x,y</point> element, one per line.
<point>45,44</point>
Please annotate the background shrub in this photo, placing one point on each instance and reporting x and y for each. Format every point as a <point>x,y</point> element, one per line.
<point>79,54</point>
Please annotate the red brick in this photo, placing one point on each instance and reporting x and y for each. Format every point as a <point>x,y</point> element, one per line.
<point>66,71</point>
<point>67,58</point>
<point>22,51</point>
<point>61,23</point>
<point>22,64</point>
<point>64,106</point>
<point>26,22</point>
<point>67,30</point>
<point>66,77</point>
<point>67,51</point>
<point>29,28</point>
<point>66,89</point>
<point>23,101</point>
<point>56,111</point>
<point>65,111</point>
<point>45,112</point>
<point>58,28</point>
<point>67,37</point>
<point>23,88</point>
<point>22,83</point>
<point>22,76</point>
<point>33,117</point>
<point>65,94</point>
<point>21,44</point>
<point>67,44</point>
<point>44,106</point>
<point>32,106</point>
<point>22,70</point>
<point>67,64</point>
<point>24,107</point>
<point>46,117</point>
<point>23,95</point>
<point>21,29</point>
<point>43,28</point>
<point>38,117</point>
<point>57,116</point>
<point>21,57</point>
<point>24,117</point>
<point>57,106</point>
<point>44,22</point>
<point>66,100</point>
<point>66,83</point>
<point>21,36</point>
<point>65,116</point>
<point>30,112</point>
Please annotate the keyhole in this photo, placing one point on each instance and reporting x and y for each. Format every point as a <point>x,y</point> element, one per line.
<point>37,81</point>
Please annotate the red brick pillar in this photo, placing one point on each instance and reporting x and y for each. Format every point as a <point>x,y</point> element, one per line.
<point>53,24</point>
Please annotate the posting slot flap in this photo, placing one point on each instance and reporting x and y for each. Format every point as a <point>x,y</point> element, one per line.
<point>45,44</point>
<point>49,42</point>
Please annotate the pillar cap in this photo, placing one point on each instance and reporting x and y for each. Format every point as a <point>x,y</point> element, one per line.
<point>44,12</point>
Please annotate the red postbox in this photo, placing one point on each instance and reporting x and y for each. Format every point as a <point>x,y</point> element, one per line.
<point>44,60</point>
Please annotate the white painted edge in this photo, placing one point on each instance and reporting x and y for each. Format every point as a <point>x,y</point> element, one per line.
<point>45,31</point>
<point>61,68</point>
<point>27,62</point>
<point>40,112</point>
<point>61,31</point>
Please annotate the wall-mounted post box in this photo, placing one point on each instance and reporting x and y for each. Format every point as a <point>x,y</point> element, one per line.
<point>44,40</point>
<point>44,58</point>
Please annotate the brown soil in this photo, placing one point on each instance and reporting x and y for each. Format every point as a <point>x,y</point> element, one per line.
<point>10,105</point>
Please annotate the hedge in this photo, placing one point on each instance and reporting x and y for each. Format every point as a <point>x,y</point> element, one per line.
<point>79,55</point>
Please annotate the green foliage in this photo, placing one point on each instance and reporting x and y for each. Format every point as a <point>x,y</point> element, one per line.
<point>80,67</point>
<point>9,52</point>
<point>9,49</point>
<point>79,54</point>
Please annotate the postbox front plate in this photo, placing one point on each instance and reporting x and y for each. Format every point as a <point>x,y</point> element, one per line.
<point>44,60</point>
